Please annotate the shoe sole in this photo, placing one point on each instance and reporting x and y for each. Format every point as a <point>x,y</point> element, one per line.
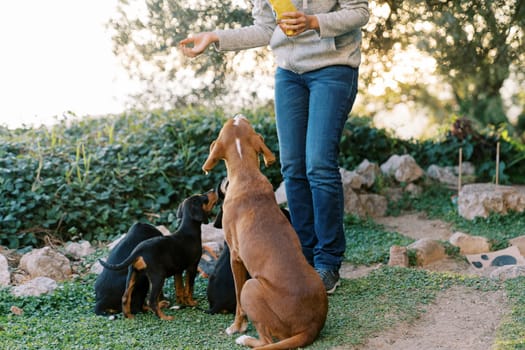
<point>332,290</point>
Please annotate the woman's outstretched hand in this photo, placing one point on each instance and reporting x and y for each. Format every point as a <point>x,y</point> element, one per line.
<point>194,45</point>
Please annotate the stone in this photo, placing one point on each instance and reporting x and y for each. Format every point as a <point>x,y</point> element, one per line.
<point>352,203</point>
<point>374,205</point>
<point>79,249</point>
<point>351,179</point>
<point>212,234</point>
<point>5,276</point>
<point>428,251</point>
<point>393,194</point>
<point>46,262</point>
<point>35,287</point>
<point>481,200</point>
<point>280,194</point>
<point>444,175</point>
<point>403,168</point>
<point>398,256</point>
<point>491,260</point>
<point>468,244</point>
<point>519,242</point>
<point>449,175</point>
<point>414,190</point>
<point>506,272</point>
<point>368,172</point>
<point>163,229</point>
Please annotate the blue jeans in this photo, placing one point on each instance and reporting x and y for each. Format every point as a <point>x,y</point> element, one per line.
<point>311,110</point>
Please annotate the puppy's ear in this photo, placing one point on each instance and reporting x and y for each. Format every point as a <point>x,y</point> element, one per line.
<point>260,146</point>
<point>216,154</point>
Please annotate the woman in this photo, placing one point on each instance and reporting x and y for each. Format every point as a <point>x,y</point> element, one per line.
<point>317,51</point>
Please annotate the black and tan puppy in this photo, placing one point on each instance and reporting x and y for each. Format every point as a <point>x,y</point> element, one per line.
<point>110,285</point>
<point>162,257</point>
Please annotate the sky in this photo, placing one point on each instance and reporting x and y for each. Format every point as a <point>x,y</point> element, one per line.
<point>57,57</point>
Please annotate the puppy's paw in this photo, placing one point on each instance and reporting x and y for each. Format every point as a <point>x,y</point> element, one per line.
<point>231,330</point>
<point>163,304</point>
<point>242,340</point>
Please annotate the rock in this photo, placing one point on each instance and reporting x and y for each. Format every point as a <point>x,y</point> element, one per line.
<point>35,287</point>
<point>5,277</point>
<point>351,179</point>
<point>506,272</point>
<point>414,190</point>
<point>403,168</point>
<point>280,194</point>
<point>368,172</point>
<point>519,242</point>
<point>374,205</point>
<point>15,310</point>
<point>80,249</point>
<point>96,268</point>
<point>212,234</point>
<point>46,262</point>
<point>449,175</point>
<point>398,256</point>
<point>163,229</point>
<point>481,200</point>
<point>444,175</point>
<point>468,244</point>
<point>507,256</point>
<point>427,251</point>
<point>353,203</point>
<point>393,194</point>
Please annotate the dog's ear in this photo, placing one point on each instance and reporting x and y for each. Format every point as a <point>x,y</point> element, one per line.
<point>260,146</point>
<point>215,155</point>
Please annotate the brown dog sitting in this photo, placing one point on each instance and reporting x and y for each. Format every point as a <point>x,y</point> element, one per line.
<point>285,299</point>
<point>162,257</point>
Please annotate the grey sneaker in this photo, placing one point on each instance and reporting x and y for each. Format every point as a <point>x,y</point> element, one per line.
<point>330,280</point>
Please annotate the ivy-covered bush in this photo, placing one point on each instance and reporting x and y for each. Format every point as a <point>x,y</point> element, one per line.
<point>92,178</point>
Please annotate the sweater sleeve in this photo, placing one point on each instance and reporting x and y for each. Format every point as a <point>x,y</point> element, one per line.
<point>351,15</point>
<point>256,35</point>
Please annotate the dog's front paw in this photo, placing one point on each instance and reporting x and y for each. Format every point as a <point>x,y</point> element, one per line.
<point>231,330</point>
<point>243,339</point>
<point>237,327</point>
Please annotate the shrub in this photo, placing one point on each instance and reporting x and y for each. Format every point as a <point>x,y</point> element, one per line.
<point>92,178</point>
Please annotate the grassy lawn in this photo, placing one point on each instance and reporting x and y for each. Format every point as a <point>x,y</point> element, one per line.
<point>359,309</point>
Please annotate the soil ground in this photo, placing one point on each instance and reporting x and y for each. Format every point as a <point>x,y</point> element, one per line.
<point>459,318</point>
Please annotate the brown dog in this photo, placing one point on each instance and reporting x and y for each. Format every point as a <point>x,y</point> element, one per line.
<point>285,299</point>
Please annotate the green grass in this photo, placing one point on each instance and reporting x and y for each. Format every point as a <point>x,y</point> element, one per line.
<point>360,308</point>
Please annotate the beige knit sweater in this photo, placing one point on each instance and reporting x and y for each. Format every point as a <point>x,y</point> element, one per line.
<point>337,42</point>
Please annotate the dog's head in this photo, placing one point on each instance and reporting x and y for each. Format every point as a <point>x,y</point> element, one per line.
<point>198,206</point>
<point>238,141</point>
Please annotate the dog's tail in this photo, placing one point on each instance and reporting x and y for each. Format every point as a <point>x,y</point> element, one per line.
<point>117,267</point>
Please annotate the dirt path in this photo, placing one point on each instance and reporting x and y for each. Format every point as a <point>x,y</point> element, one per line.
<point>460,318</point>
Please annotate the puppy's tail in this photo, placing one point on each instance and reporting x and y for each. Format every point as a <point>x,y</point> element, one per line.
<point>117,267</point>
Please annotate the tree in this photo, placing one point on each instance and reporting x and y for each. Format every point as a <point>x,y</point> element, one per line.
<point>475,45</point>
<point>145,39</point>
